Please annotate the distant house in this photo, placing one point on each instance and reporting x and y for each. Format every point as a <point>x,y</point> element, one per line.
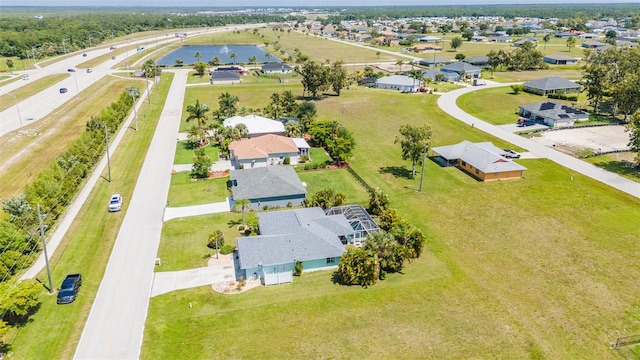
<point>564,35</point>
<point>592,44</point>
<point>234,68</point>
<point>560,59</point>
<point>522,41</point>
<point>483,161</point>
<point>276,68</point>
<point>552,113</point>
<point>270,186</point>
<point>257,125</point>
<point>480,61</point>
<point>425,47</point>
<point>306,235</point>
<point>398,82</point>
<point>501,39</point>
<point>430,39</point>
<point>551,85</point>
<point>588,36</point>
<point>224,77</point>
<point>432,61</point>
<point>459,67</point>
<point>266,150</point>
<point>436,75</point>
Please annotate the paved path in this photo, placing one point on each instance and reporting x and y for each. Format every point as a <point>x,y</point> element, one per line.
<point>168,281</point>
<point>447,102</point>
<point>220,165</point>
<point>115,325</point>
<point>205,209</point>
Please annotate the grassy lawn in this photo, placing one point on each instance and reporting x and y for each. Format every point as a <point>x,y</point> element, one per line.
<point>27,152</point>
<point>184,192</point>
<point>338,179</point>
<point>183,243</point>
<point>29,89</point>
<point>619,163</point>
<point>318,156</point>
<point>54,331</point>
<point>513,269</point>
<point>516,76</point>
<point>184,152</point>
<point>498,106</point>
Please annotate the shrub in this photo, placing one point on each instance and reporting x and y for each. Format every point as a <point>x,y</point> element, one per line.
<point>226,250</point>
<point>287,160</point>
<point>289,204</point>
<point>304,158</point>
<point>297,269</point>
<point>265,208</point>
<point>216,240</point>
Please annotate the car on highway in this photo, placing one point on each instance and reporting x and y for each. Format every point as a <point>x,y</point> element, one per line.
<point>89,70</point>
<point>115,203</point>
<point>63,90</point>
<point>510,154</point>
<point>69,289</point>
<point>71,70</point>
<point>25,77</point>
<point>112,48</point>
<point>84,55</point>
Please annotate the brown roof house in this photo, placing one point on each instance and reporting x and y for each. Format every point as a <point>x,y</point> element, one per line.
<point>483,161</point>
<point>266,150</point>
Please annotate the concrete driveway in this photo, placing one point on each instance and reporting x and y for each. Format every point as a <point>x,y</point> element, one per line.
<point>205,209</point>
<point>167,281</point>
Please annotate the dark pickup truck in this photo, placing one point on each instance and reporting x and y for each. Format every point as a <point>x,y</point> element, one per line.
<point>69,288</point>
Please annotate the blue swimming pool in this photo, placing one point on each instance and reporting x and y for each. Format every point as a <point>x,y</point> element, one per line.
<point>222,52</point>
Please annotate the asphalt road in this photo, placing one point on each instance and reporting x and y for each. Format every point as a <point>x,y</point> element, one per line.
<point>116,323</point>
<point>447,102</point>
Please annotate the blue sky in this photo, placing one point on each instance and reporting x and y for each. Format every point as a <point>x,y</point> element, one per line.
<point>281,3</point>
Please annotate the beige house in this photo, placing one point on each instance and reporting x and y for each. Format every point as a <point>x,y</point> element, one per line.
<point>266,150</point>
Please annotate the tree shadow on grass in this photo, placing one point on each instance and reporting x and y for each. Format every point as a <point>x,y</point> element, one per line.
<point>623,167</point>
<point>233,223</point>
<point>397,171</point>
<point>187,145</point>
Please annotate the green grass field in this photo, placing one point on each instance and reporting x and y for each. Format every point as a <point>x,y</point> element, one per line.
<point>29,89</point>
<point>541,267</point>
<point>619,163</point>
<point>184,152</point>
<point>184,192</point>
<point>54,330</point>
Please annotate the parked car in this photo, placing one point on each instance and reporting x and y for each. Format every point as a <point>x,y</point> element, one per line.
<point>71,70</point>
<point>25,77</point>
<point>63,90</point>
<point>89,70</point>
<point>112,48</point>
<point>69,288</point>
<point>84,55</point>
<point>510,154</point>
<point>525,122</point>
<point>115,204</point>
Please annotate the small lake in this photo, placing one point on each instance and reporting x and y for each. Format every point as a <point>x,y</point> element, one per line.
<point>223,52</point>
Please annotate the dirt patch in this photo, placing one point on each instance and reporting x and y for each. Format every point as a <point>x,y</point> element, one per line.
<point>230,287</point>
<point>576,141</point>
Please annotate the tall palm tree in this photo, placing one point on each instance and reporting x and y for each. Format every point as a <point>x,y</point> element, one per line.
<point>253,60</point>
<point>197,55</point>
<point>214,61</point>
<point>241,204</point>
<point>546,39</point>
<point>196,134</point>
<point>198,112</point>
<point>233,57</point>
<point>268,55</point>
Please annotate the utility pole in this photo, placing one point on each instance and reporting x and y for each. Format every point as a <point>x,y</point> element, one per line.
<point>106,142</point>
<point>133,93</point>
<point>17,107</point>
<point>424,154</point>
<point>148,93</point>
<point>44,247</point>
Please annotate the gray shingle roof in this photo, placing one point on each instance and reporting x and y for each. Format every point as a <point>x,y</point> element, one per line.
<point>224,75</point>
<point>276,67</point>
<point>265,182</point>
<point>457,67</point>
<point>554,110</point>
<point>477,60</point>
<point>551,83</point>
<point>560,57</point>
<point>483,156</point>
<point>300,234</point>
<point>399,80</point>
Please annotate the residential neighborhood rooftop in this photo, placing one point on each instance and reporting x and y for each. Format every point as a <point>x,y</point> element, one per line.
<point>267,181</point>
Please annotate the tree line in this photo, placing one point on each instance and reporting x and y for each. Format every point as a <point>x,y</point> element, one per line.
<point>52,191</point>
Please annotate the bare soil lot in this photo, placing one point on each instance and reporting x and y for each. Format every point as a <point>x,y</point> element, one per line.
<point>575,141</point>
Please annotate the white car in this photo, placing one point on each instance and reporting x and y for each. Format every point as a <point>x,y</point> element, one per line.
<point>115,204</point>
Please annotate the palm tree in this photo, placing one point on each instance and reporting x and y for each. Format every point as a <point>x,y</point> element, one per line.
<point>571,42</point>
<point>546,39</point>
<point>214,61</point>
<point>198,112</point>
<point>253,60</point>
<point>233,57</point>
<point>228,104</point>
<point>196,134</point>
<point>241,204</point>
<point>267,55</point>
<point>197,55</point>
<point>378,54</point>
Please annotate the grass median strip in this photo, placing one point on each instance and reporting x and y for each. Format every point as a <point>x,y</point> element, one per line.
<point>29,89</point>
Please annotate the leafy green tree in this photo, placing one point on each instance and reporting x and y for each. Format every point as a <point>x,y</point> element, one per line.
<point>314,77</point>
<point>228,104</point>
<point>410,237</point>
<point>196,134</point>
<point>179,62</point>
<point>150,69</point>
<point>327,198</point>
<point>337,77</point>
<point>571,42</point>
<point>388,219</point>
<point>9,63</point>
<point>293,129</point>
<point>414,141</point>
<point>215,240</point>
<point>378,202</point>
<point>200,68</point>
<point>201,164</point>
<point>20,300</point>
<point>456,42</point>
<point>358,267</point>
<point>241,205</point>
<point>517,88</point>
<point>633,128</point>
<point>460,56</point>
<point>467,35</point>
<point>611,34</point>
<point>546,39</point>
<point>215,61</point>
<point>341,145</point>
<point>274,108</point>
<point>197,56</point>
<point>233,57</point>
<point>253,60</point>
<point>306,112</point>
<point>198,113</point>
<point>16,206</point>
<point>390,254</point>
<point>288,103</point>
<point>297,268</point>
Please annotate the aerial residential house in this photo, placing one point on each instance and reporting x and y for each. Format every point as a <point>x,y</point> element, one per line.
<point>483,161</point>
<point>552,114</point>
<point>480,61</point>
<point>592,44</point>
<point>304,235</point>
<point>560,59</point>
<point>522,41</point>
<point>257,125</point>
<point>564,35</point>
<point>361,222</point>
<point>501,39</point>
<point>459,68</point>
<point>551,85</point>
<point>266,150</point>
<point>430,39</point>
<point>588,36</point>
<point>276,68</point>
<point>418,48</point>
<point>433,61</point>
<point>399,82</point>
<point>270,186</point>
<point>437,75</point>
<point>224,77</point>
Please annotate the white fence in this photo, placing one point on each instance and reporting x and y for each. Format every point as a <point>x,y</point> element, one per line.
<point>278,278</point>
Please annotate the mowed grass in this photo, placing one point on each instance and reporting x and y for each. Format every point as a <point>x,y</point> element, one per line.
<point>620,163</point>
<point>541,267</point>
<point>36,146</point>
<point>185,152</point>
<point>340,180</point>
<point>521,76</point>
<point>30,88</point>
<point>54,331</point>
<point>184,192</point>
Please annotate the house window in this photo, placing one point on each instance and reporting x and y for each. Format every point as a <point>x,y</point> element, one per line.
<point>281,156</point>
<point>331,260</point>
<point>464,163</point>
<point>477,171</point>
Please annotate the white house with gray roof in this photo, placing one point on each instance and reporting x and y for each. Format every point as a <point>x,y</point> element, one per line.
<point>270,186</point>
<point>483,161</point>
<point>306,235</point>
<point>460,67</point>
<point>552,113</point>
<point>399,82</point>
<point>551,85</point>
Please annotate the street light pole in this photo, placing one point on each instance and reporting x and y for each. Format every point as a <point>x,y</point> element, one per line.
<point>424,154</point>
<point>132,92</point>
<point>106,142</point>
<point>17,107</point>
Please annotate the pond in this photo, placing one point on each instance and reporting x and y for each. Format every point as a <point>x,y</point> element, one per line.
<point>223,52</point>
